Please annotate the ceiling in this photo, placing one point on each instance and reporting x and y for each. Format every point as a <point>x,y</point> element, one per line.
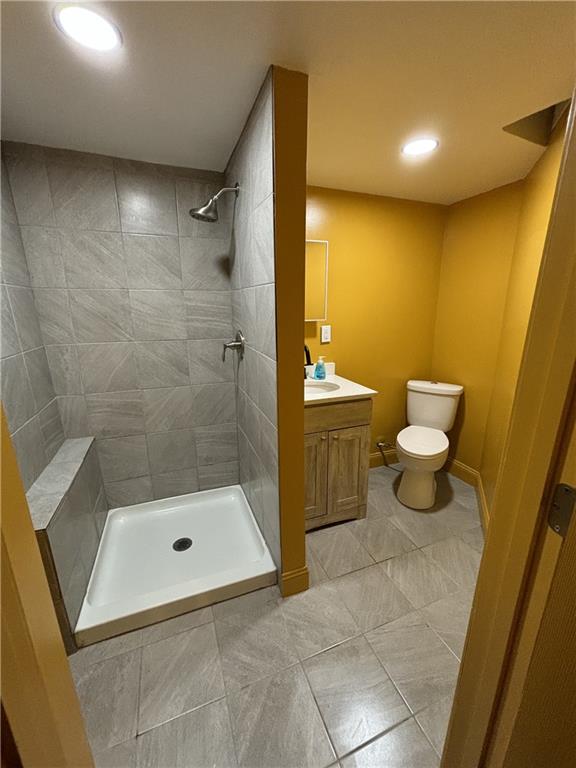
<point>180,89</point>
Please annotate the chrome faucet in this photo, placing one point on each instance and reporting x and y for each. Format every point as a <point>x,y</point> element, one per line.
<point>237,344</point>
<point>308,358</point>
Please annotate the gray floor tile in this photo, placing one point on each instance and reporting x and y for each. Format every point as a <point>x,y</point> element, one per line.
<point>403,747</point>
<point>356,698</point>
<point>196,740</point>
<point>380,538</point>
<point>316,573</point>
<point>174,626</point>
<point>420,579</point>
<point>338,551</point>
<point>457,517</point>
<point>276,723</point>
<point>449,619</point>
<point>474,537</point>
<point>382,501</point>
<point>371,597</point>
<point>381,477</point>
<point>254,643</point>
<point>115,646</point>
<point>434,722</point>
<point>108,694</point>
<point>457,559</point>
<point>179,674</point>
<point>418,662</point>
<point>452,488</point>
<point>269,596</point>
<point>422,527</point>
<point>121,756</point>
<point>107,649</point>
<point>318,619</point>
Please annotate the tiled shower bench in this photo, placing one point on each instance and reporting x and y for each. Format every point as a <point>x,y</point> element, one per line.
<point>68,508</point>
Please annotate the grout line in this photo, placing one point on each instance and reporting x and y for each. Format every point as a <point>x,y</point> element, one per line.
<point>232,733</point>
<point>428,739</point>
<point>35,416</point>
<point>319,710</point>
<point>139,690</point>
<point>377,737</point>
<point>176,717</point>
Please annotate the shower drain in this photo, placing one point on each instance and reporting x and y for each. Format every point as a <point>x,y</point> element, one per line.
<point>181,545</point>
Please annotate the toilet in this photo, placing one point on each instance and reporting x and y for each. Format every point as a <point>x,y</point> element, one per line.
<point>422,447</point>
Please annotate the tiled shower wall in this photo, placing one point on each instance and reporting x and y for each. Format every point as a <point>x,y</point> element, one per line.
<point>253,310</point>
<point>134,301</point>
<point>27,393</point>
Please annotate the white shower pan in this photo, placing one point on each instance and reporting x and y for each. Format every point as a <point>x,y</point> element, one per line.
<point>146,569</point>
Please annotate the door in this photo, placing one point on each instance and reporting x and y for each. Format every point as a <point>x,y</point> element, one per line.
<point>348,456</point>
<point>544,731</point>
<point>538,592</point>
<point>513,592</point>
<point>316,474</point>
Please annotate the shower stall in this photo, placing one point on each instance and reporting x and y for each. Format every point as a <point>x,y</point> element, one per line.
<point>124,285</point>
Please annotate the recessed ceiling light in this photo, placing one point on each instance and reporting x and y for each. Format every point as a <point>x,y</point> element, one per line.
<point>87,28</point>
<point>420,147</point>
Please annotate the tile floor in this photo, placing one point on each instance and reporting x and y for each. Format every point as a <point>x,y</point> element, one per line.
<point>358,672</point>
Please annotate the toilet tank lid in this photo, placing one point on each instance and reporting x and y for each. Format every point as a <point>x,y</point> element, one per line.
<point>435,387</point>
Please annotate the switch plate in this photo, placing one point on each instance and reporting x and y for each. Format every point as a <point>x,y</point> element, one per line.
<point>325,334</point>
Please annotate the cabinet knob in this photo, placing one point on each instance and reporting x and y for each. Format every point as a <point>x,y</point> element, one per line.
<point>336,437</point>
<point>323,437</point>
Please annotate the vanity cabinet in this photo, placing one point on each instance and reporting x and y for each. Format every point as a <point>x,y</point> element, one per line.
<point>316,463</point>
<point>337,452</point>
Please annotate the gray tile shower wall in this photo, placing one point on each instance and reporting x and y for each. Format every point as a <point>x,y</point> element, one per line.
<point>254,311</point>
<point>28,394</point>
<point>134,300</point>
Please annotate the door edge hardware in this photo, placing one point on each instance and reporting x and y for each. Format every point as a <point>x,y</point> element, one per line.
<point>560,513</point>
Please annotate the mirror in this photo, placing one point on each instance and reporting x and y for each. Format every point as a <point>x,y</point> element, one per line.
<point>316,290</point>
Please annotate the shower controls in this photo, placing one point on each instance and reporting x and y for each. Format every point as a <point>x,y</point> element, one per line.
<point>237,344</point>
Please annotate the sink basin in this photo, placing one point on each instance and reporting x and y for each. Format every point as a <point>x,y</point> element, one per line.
<point>313,385</point>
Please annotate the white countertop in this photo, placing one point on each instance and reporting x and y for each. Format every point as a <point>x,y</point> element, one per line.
<point>336,390</point>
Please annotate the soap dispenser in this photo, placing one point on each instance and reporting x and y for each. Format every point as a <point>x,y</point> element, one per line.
<point>320,369</point>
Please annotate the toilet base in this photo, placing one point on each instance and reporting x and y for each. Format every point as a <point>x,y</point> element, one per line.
<point>417,489</point>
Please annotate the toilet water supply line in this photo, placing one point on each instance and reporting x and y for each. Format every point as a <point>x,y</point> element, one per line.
<point>382,446</point>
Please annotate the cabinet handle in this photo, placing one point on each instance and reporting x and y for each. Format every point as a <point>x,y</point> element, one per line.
<point>336,437</point>
<point>323,437</point>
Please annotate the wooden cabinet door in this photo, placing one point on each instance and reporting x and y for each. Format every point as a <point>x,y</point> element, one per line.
<point>316,474</point>
<point>348,458</point>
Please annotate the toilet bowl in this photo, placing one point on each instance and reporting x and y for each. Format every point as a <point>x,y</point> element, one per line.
<point>422,447</point>
<point>422,451</point>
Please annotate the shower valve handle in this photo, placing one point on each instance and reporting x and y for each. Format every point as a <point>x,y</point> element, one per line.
<point>237,344</point>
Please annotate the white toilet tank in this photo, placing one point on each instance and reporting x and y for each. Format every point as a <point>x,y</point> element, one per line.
<point>433,404</point>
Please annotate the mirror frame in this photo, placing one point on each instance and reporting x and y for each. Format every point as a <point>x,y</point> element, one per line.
<point>321,319</point>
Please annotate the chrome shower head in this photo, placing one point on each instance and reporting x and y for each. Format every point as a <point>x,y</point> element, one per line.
<point>209,211</point>
<point>206,212</point>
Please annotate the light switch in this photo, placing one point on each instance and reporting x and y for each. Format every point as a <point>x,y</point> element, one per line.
<point>325,334</point>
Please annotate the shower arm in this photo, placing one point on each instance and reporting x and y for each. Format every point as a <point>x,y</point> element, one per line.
<point>235,188</point>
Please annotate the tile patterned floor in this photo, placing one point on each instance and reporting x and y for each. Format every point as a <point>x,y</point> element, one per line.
<point>358,672</point>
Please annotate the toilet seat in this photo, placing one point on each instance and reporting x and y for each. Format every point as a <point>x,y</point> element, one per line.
<point>422,442</point>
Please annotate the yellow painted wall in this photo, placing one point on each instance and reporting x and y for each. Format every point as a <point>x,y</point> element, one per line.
<point>476,260</point>
<point>417,290</point>
<point>537,199</point>
<point>384,266</point>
